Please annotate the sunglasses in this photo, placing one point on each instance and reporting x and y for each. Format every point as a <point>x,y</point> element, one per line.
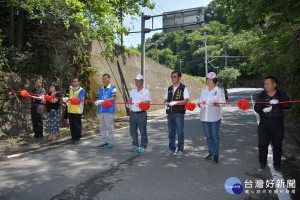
<point>174,76</point>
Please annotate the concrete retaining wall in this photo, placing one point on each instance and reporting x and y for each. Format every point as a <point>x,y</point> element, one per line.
<point>125,67</point>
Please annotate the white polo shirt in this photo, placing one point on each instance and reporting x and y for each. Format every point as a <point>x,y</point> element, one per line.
<point>137,97</point>
<point>211,113</point>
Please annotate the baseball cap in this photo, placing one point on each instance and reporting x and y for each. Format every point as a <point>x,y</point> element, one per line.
<point>139,77</point>
<point>211,75</point>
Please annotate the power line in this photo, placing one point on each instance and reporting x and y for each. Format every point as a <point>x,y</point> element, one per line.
<point>159,6</point>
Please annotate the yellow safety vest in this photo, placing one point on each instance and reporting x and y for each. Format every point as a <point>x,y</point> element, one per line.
<point>75,109</point>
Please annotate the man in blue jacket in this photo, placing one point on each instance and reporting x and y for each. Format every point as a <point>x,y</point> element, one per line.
<point>107,92</point>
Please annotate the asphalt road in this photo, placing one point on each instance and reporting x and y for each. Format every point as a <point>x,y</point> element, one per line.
<point>84,172</point>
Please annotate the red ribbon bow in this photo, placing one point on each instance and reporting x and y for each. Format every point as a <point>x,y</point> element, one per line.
<point>24,93</point>
<point>244,104</point>
<point>106,104</point>
<point>190,106</point>
<point>10,93</point>
<point>48,98</point>
<point>144,106</point>
<point>75,101</point>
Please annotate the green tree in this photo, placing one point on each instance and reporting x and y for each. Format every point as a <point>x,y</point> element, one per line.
<point>227,76</point>
<point>215,12</point>
<point>276,51</point>
<point>167,58</point>
<point>128,7</point>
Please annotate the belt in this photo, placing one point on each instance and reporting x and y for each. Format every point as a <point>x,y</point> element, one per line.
<point>138,112</point>
<point>36,104</point>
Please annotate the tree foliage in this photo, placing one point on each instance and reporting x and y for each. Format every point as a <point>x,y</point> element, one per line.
<point>227,76</point>
<point>89,19</point>
<point>262,35</point>
<point>275,26</point>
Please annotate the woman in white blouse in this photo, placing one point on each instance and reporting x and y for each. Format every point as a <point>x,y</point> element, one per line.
<point>211,115</point>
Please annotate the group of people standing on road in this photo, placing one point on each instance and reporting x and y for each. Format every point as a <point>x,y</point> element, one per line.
<point>176,97</point>
<point>211,100</point>
<point>72,115</point>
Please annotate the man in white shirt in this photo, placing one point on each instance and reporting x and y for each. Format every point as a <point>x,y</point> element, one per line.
<point>176,97</point>
<point>138,117</point>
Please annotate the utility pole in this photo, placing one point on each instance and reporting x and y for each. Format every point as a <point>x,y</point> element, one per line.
<point>156,51</point>
<point>180,62</point>
<point>225,59</point>
<point>205,43</point>
<point>143,48</point>
<point>204,40</point>
<point>143,32</point>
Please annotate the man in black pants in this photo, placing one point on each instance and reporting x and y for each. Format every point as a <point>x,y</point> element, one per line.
<point>75,110</point>
<point>37,108</point>
<point>271,125</point>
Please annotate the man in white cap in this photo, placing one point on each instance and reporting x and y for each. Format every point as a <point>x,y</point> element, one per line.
<point>138,117</point>
<point>211,115</point>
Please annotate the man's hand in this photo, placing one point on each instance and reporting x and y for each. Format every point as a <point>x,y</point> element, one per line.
<point>267,109</point>
<point>42,98</point>
<point>65,99</point>
<point>98,102</point>
<point>172,103</point>
<point>166,105</point>
<point>274,101</point>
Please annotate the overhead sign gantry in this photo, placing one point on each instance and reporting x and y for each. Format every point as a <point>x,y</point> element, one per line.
<point>187,19</point>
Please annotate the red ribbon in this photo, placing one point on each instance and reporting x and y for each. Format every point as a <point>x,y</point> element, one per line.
<point>190,106</point>
<point>107,104</point>
<point>244,104</point>
<point>48,98</point>
<point>10,93</point>
<point>144,106</point>
<point>75,101</point>
<point>24,93</point>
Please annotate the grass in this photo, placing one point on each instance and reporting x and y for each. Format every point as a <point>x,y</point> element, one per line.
<point>132,51</point>
<point>196,78</point>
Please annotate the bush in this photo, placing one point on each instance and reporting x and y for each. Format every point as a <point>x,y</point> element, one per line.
<point>227,76</point>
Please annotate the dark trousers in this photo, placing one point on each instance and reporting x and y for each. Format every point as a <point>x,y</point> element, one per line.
<point>37,120</point>
<point>66,115</point>
<point>270,130</point>
<point>175,128</point>
<point>75,126</point>
<point>138,121</point>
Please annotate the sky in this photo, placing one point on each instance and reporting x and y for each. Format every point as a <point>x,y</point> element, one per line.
<point>134,22</point>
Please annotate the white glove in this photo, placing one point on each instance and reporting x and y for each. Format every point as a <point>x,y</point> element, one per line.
<point>98,102</point>
<point>172,103</point>
<point>128,105</point>
<point>267,109</point>
<point>65,99</point>
<point>274,101</point>
<point>42,98</point>
<point>166,106</point>
<point>203,106</point>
